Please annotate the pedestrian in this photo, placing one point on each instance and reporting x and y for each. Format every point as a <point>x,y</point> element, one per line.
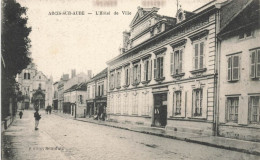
<point>21,114</point>
<point>37,117</point>
<point>50,109</point>
<point>46,110</point>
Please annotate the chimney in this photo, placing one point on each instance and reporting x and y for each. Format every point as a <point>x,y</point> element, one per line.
<point>126,36</point>
<point>73,73</point>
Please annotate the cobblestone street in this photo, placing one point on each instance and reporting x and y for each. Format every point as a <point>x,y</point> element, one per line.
<point>61,138</point>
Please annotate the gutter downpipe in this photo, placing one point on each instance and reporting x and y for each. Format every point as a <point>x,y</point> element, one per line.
<point>216,76</point>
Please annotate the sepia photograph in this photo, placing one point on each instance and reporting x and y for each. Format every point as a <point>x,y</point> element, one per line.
<point>130,79</point>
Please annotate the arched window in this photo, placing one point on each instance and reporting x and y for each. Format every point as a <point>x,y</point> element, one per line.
<point>24,76</point>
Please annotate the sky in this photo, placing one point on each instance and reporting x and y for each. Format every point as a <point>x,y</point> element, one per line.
<point>84,42</point>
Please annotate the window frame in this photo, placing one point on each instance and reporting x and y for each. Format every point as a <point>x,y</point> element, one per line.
<point>255,63</point>
<point>231,68</point>
<point>176,105</point>
<point>199,56</point>
<point>251,110</point>
<point>235,109</point>
<point>159,66</point>
<point>195,102</point>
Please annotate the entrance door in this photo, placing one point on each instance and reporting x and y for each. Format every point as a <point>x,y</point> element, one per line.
<point>160,109</point>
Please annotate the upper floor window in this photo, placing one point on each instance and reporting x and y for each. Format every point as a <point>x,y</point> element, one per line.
<point>118,81</point>
<point>198,56</point>
<point>147,70</point>
<point>136,73</point>
<point>127,75</point>
<point>112,81</point>
<point>245,34</point>
<point>176,62</point>
<point>232,109</point>
<point>255,64</point>
<point>80,99</point>
<point>158,67</point>
<point>39,77</point>
<point>233,67</point>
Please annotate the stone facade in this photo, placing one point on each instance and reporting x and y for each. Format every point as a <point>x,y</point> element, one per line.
<point>31,82</point>
<point>166,75</point>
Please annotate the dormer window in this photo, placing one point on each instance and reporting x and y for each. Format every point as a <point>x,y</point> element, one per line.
<point>180,16</point>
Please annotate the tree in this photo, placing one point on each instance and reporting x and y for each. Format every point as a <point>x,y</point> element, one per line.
<point>15,46</point>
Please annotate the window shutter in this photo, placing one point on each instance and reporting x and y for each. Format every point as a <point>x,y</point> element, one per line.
<point>253,67</point>
<point>229,68</point>
<point>193,103</point>
<point>144,69</point>
<point>173,104</point>
<point>249,110</point>
<point>258,64</point>
<point>155,68</point>
<point>201,55</point>
<point>226,109</point>
<point>161,73</point>
<point>132,74</point>
<point>235,68</point>
<point>176,59</point>
<point>180,61</point>
<point>196,56</point>
<point>150,70</point>
<point>172,63</point>
<point>139,73</point>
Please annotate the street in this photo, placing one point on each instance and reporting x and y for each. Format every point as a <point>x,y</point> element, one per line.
<point>61,138</point>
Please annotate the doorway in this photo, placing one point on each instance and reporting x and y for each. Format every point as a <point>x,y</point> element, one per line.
<point>160,110</point>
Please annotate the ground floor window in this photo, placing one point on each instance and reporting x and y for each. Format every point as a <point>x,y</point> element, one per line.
<point>254,107</point>
<point>232,109</point>
<point>177,102</point>
<point>197,102</point>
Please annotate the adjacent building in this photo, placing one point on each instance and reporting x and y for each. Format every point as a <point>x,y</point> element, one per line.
<point>55,96</point>
<point>239,76</point>
<point>36,88</point>
<point>75,100</point>
<point>97,94</point>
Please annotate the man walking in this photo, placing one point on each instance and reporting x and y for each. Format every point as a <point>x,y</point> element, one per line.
<point>21,114</point>
<point>37,117</point>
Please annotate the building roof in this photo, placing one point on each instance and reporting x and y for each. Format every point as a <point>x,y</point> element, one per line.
<point>230,10</point>
<point>100,75</point>
<point>77,87</point>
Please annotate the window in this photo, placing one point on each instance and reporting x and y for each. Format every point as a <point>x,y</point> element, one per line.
<point>93,91</point>
<point>29,76</point>
<point>24,76</point>
<point>245,34</point>
<point>176,62</point>
<point>255,64</point>
<point>198,58</point>
<point>233,68</point>
<point>177,102</point>
<point>232,109</point>
<point>80,99</point>
<point>147,70</point>
<point>118,83</point>
<point>254,106</point>
<point>197,102</point>
<point>127,76</point>
<point>39,77</point>
<point>136,73</point>
<point>158,67</point>
<point>111,80</point>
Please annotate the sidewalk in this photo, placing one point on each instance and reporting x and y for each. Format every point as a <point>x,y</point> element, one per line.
<point>21,141</point>
<point>219,142</point>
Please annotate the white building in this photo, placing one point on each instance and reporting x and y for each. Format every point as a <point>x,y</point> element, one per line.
<point>36,88</point>
<point>239,78</point>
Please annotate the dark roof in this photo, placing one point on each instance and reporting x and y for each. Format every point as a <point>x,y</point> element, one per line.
<point>77,87</point>
<point>229,11</point>
<point>100,75</point>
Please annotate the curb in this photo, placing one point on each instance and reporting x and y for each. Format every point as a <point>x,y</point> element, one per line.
<point>178,138</point>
